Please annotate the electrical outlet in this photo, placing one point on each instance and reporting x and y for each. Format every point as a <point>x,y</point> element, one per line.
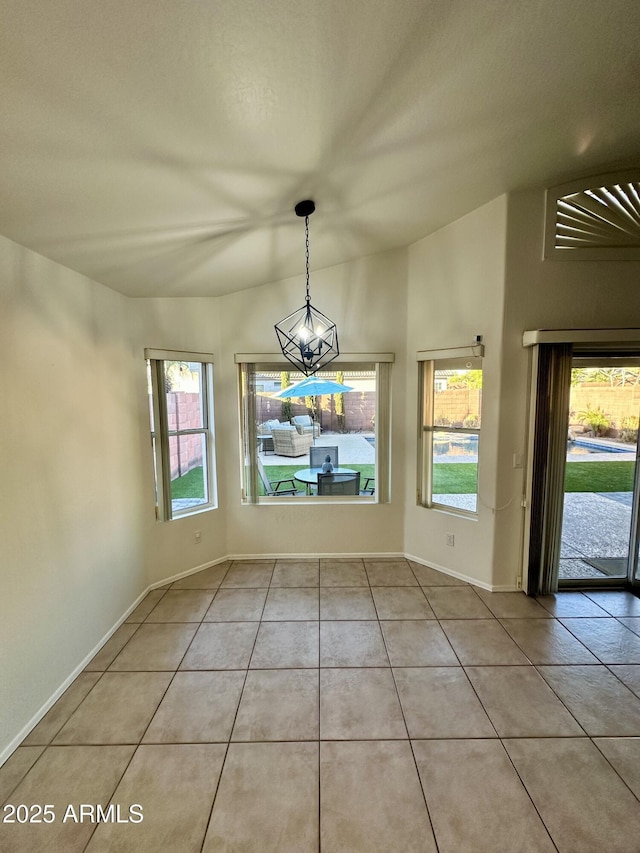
<point>451,539</point>
<point>197,536</point>
<point>518,583</point>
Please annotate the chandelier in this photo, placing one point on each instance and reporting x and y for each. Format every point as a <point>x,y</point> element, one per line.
<point>308,339</point>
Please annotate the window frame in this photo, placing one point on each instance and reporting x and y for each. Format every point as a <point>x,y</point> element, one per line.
<point>427,429</point>
<point>250,363</point>
<point>160,433</point>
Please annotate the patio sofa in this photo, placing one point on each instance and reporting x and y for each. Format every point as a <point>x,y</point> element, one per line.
<point>287,441</point>
<point>305,425</point>
<point>267,426</point>
<point>264,432</point>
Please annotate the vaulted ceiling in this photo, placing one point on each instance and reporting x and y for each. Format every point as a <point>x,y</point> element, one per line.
<point>159,146</point>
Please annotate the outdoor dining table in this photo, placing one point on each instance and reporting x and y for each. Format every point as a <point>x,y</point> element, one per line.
<point>266,442</point>
<point>310,475</point>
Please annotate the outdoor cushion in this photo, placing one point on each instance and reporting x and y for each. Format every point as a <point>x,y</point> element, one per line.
<point>304,424</point>
<point>288,442</point>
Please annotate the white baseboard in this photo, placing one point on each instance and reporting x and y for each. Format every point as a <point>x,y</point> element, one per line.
<point>473,581</point>
<point>445,571</point>
<point>188,572</point>
<point>33,722</point>
<point>17,740</point>
<point>333,555</point>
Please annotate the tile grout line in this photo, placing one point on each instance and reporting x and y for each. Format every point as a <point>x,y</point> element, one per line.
<point>235,716</point>
<point>438,621</point>
<point>500,739</point>
<point>410,742</point>
<point>526,790</point>
<point>101,673</point>
<point>175,672</point>
<point>319,732</point>
<point>590,738</point>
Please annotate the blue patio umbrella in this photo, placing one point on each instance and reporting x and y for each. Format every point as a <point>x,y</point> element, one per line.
<point>312,386</point>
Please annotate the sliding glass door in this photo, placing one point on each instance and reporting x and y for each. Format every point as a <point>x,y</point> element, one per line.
<point>583,487</point>
<point>599,533</point>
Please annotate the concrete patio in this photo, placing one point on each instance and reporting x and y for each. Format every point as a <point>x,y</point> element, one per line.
<point>353,448</point>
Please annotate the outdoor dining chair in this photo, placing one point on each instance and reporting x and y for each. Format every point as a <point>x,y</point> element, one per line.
<point>274,488</point>
<point>339,484</point>
<point>317,456</point>
<point>369,486</point>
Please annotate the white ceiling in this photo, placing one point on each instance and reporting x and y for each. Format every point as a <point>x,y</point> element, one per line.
<point>159,146</point>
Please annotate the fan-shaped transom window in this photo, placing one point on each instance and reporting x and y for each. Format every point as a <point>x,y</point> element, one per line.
<point>595,219</point>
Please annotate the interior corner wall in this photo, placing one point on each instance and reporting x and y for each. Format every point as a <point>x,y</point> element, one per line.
<point>546,294</point>
<point>188,325</point>
<point>455,292</point>
<point>367,300</point>
<point>70,496</point>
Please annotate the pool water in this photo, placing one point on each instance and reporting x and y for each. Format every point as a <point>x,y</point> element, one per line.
<point>581,447</point>
<point>460,445</point>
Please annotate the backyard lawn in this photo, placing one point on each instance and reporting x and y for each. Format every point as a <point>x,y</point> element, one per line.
<point>191,486</point>
<point>458,478</point>
<point>599,477</point>
<point>188,486</point>
<point>285,472</point>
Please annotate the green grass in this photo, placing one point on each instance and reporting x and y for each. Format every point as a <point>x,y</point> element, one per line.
<point>191,485</point>
<point>455,478</point>
<point>459,478</point>
<point>599,477</point>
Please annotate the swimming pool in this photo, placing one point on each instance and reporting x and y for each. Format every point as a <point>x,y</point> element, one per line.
<point>455,445</point>
<point>582,445</point>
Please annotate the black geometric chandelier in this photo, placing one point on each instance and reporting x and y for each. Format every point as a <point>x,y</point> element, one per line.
<point>308,339</point>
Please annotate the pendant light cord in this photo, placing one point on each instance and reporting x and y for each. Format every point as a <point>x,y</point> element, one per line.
<point>306,231</point>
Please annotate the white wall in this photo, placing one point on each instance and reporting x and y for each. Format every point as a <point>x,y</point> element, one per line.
<point>190,325</point>
<point>366,298</point>
<point>455,292</point>
<point>79,537</point>
<point>70,528</point>
<point>546,295</point>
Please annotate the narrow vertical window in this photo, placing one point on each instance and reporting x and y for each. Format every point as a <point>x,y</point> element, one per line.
<point>182,437</point>
<point>451,407</point>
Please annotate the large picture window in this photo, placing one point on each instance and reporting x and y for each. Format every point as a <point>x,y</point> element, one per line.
<point>328,445</point>
<point>451,412</point>
<point>181,412</point>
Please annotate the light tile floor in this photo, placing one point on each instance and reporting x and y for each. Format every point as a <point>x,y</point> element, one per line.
<point>345,705</point>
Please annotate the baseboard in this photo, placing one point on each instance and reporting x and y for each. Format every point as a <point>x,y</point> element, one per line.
<point>446,571</point>
<point>17,740</point>
<point>188,572</point>
<point>333,555</point>
<point>33,722</point>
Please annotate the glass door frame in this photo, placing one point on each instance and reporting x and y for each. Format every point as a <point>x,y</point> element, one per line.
<point>632,579</point>
<point>633,576</point>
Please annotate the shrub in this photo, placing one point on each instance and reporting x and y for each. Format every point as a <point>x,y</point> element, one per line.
<point>471,421</point>
<point>339,404</point>
<point>596,418</point>
<point>442,422</point>
<point>286,410</point>
<point>629,429</point>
